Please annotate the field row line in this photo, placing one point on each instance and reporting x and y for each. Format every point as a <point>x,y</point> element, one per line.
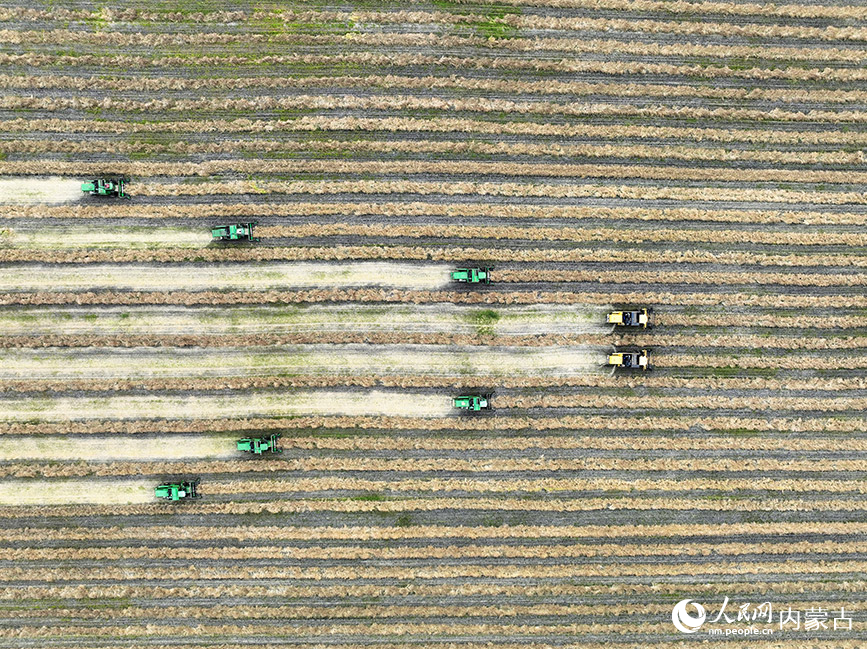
<point>545,233</point>
<point>427,381</point>
<point>462,188</point>
<point>477,468</point>
<point>623,611</point>
<point>428,297</point>
<point>574,66</point>
<point>451,209</point>
<point>451,424</point>
<point>428,18</point>
<point>453,148</point>
<point>267,103</point>
<point>631,503</point>
<point>452,254</point>
<point>570,533</point>
<point>559,591</point>
<point>359,553</point>
<point>425,42</point>
<point>511,87</point>
<point>483,338</point>
<point>568,570</point>
<point>440,167</point>
<point>303,633</point>
<point>692,7</point>
<point>311,123</point>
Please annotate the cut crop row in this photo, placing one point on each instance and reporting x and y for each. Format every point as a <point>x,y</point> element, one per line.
<point>310,123</point>
<point>428,381</point>
<point>456,210</point>
<point>421,102</point>
<point>512,87</point>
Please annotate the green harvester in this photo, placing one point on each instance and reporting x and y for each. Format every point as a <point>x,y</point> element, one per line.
<point>472,402</point>
<point>236,232</point>
<point>259,445</point>
<point>174,491</point>
<point>481,275</point>
<point>113,187</point>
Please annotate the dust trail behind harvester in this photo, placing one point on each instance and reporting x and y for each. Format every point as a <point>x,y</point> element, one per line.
<point>166,448</point>
<point>530,319</point>
<point>283,404</point>
<point>215,277</point>
<point>33,191</point>
<point>75,492</point>
<point>328,359</point>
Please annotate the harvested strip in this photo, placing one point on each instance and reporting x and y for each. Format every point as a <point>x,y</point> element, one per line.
<point>67,492</point>
<point>328,359</point>
<point>230,277</point>
<point>483,336</point>
<point>35,191</point>
<point>280,405</point>
<point>114,448</point>
<point>125,238</point>
<point>305,124</point>
<point>507,321</point>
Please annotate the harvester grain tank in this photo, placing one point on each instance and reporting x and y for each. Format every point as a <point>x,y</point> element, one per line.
<point>477,275</point>
<point>472,402</point>
<point>112,187</point>
<point>635,318</point>
<point>181,490</point>
<point>259,445</point>
<point>630,359</point>
<point>234,232</point>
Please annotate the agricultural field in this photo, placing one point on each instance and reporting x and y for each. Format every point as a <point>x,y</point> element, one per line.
<point>700,157</point>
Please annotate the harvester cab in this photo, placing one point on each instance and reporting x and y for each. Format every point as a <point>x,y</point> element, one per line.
<point>632,360</point>
<point>235,232</point>
<point>472,402</point>
<point>114,187</point>
<point>175,491</point>
<point>636,318</point>
<point>259,445</point>
<point>479,275</point>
